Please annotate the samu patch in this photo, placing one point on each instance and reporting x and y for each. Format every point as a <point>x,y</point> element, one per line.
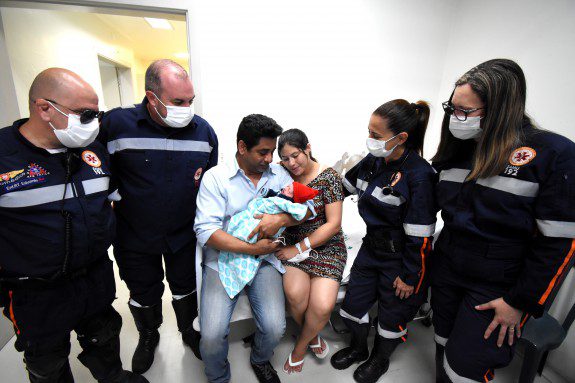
<point>522,156</point>
<point>91,159</point>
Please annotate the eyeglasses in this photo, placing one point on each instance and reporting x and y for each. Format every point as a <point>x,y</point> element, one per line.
<point>460,114</point>
<point>86,115</point>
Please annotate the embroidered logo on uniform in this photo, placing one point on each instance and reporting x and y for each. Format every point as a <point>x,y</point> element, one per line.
<point>35,170</point>
<point>522,156</point>
<point>396,179</point>
<point>35,174</point>
<point>91,159</point>
<point>511,170</point>
<point>11,176</point>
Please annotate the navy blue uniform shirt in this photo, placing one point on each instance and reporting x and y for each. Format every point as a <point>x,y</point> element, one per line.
<point>407,214</point>
<point>158,171</point>
<point>522,219</point>
<point>32,238</point>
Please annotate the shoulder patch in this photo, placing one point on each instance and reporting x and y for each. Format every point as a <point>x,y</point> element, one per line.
<point>91,159</point>
<point>522,156</point>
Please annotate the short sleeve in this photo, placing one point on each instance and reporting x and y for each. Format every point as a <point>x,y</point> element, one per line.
<point>334,187</point>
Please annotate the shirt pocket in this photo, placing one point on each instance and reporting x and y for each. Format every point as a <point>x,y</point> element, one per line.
<point>135,166</point>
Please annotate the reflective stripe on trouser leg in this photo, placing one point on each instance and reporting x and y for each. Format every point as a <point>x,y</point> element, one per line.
<point>362,320</point>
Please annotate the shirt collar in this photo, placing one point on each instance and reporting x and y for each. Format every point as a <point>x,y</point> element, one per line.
<point>143,113</point>
<point>235,169</point>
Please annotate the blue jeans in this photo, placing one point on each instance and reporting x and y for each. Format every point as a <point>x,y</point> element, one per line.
<point>266,298</point>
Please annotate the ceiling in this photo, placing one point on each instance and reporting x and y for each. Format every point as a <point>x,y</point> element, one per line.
<point>148,43</point>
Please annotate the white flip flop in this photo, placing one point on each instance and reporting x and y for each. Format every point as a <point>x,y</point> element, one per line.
<point>292,364</point>
<point>324,353</point>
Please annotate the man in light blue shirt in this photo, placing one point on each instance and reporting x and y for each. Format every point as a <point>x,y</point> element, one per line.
<point>226,190</point>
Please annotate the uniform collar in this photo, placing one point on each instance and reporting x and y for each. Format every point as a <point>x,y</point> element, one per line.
<point>400,160</point>
<point>20,137</point>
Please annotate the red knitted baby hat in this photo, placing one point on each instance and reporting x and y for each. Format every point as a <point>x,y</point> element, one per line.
<point>302,193</point>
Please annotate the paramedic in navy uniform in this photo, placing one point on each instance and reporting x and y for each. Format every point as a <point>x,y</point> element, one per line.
<point>394,185</point>
<point>57,225</point>
<point>506,191</point>
<point>159,150</point>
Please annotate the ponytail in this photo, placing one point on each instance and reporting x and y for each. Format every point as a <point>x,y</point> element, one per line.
<point>402,116</point>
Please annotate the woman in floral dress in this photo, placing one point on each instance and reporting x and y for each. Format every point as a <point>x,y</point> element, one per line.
<point>311,286</point>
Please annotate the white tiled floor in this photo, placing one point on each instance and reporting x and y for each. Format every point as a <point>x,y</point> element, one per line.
<point>412,363</point>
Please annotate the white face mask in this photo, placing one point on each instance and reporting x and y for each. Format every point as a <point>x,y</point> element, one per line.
<point>76,134</point>
<point>377,147</point>
<point>465,130</point>
<point>178,116</point>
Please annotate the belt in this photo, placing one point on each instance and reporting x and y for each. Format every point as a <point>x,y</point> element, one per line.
<point>472,244</point>
<point>42,282</point>
<point>381,241</point>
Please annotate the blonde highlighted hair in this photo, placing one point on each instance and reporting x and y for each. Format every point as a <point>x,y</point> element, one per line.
<point>500,84</point>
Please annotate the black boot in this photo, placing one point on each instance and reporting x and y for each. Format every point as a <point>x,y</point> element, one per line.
<point>100,341</point>
<point>357,351</point>
<point>186,310</point>
<point>126,377</point>
<point>439,370</point>
<point>378,362</point>
<point>148,320</point>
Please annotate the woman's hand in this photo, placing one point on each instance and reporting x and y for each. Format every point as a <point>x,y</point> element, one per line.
<point>507,316</point>
<point>402,289</point>
<point>286,253</point>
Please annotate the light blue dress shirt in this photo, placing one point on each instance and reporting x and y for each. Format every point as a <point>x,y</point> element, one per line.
<point>225,191</point>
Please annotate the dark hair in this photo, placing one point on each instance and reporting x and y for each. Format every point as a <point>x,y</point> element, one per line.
<point>153,80</point>
<point>403,116</point>
<point>295,138</point>
<point>254,127</point>
<point>500,84</point>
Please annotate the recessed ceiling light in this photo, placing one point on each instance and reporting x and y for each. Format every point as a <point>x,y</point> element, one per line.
<point>158,23</point>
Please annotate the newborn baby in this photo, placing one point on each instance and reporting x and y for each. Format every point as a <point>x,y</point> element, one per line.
<point>237,270</point>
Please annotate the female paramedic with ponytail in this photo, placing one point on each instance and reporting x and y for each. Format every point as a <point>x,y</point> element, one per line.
<point>507,194</point>
<point>394,185</point>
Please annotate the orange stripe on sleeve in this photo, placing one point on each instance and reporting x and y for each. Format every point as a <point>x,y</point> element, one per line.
<point>524,320</point>
<point>422,252</point>
<point>558,274</point>
<point>12,318</point>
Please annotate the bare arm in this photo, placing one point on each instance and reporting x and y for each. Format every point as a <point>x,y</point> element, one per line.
<point>271,223</point>
<point>223,241</point>
<point>321,235</point>
<point>331,227</point>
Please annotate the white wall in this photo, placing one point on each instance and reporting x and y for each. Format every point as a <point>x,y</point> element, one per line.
<point>38,39</point>
<point>540,36</point>
<point>320,66</point>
